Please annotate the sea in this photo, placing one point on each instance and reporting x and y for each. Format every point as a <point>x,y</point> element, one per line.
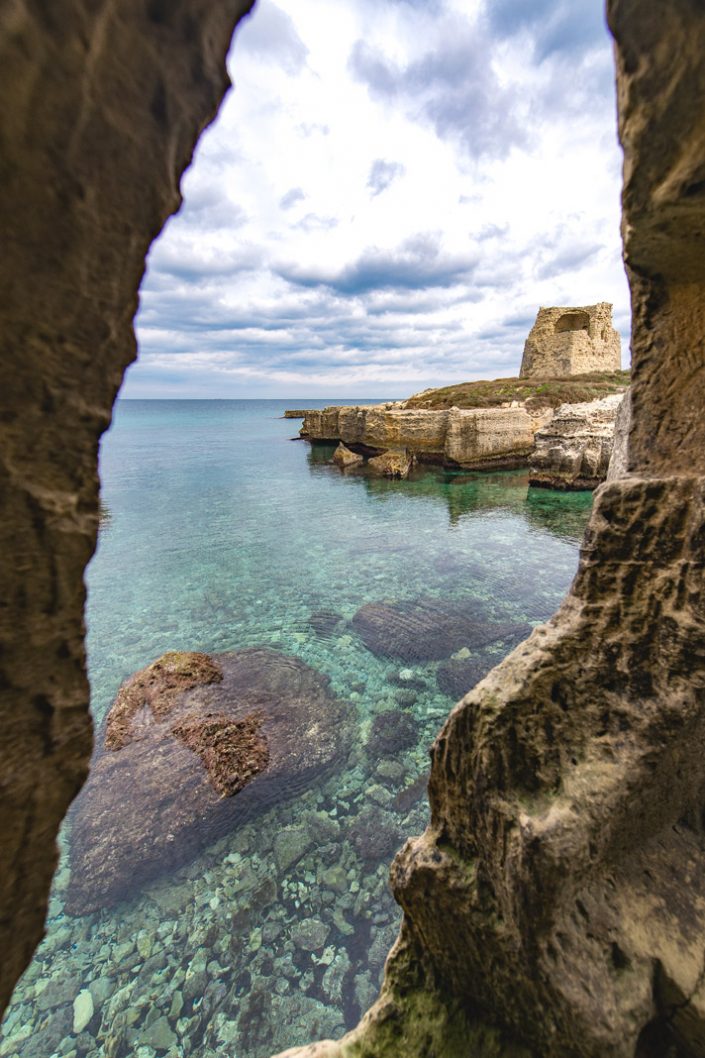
<point>221,530</point>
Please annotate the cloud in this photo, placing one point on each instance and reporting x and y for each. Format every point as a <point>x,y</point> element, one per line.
<point>453,86</point>
<point>269,34</point>
<point>554,27</point>
<point>194,262</point>
<point>315,222</point>
<point>290,199</point>
<point>385,200</point>
<point>567,260</point>
<point>417,264</point>
<point>382,175</point>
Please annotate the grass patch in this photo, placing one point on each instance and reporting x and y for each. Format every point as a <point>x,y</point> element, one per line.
<point>536,393</point>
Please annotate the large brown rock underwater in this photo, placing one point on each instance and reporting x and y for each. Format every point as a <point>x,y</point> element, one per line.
<point>193,745</point>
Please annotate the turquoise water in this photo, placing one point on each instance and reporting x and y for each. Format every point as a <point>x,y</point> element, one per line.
<point>221,533</point>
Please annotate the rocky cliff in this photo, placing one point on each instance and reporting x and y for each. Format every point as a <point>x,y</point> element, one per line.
<point>569,448</point>
<point>573,450</point>
<point>103,104</point>
<point>476,437</point>
<point>554,907</point>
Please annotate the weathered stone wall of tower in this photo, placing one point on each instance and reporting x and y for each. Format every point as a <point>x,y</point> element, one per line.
<point>572,341</point>
<point>102,102</point>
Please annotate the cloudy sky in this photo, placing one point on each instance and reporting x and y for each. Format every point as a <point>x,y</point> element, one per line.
<point>390,191</point>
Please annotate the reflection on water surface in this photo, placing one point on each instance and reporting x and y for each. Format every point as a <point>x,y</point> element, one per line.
<point>223,535</point>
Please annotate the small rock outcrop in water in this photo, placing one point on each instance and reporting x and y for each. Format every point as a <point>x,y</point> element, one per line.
<point>396,463</point>
<point>344,458</point>
<point>573,451</point>
<point>193,744</point>
<point>429,629</point>
<point>572,341</point>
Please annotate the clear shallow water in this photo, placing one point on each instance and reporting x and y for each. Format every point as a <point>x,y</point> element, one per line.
<point>222,534</point>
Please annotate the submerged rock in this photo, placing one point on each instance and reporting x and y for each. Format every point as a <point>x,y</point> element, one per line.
<point>325,622</point>
<point>391,732</point>
<point>344,458</point>
<point>192,746</point>
<point>429,629</point>
<point>82,1010</point>
<point>457,676</point>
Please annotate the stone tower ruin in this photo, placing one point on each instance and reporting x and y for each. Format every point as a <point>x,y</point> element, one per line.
<point>572,341</point>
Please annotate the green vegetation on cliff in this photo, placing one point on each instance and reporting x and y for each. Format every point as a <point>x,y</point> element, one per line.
<point>536,392</point>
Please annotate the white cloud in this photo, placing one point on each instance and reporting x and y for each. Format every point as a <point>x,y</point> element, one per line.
<point>370,219</point>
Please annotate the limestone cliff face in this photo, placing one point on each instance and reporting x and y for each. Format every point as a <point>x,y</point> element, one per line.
<point>573,450</point>
<point>478,437</point>
<point>619,460</point>
<point>102,104</point>
<point>571,341</point>
<point>554,908</point>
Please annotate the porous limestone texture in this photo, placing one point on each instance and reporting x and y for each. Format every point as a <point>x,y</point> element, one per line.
<point>619,460</point>
<point>555,907</point>
<point>572,341</point>
<point>573,450</point>
<point>394,463</point>
<point>102,104</point>
<point>476,437</point>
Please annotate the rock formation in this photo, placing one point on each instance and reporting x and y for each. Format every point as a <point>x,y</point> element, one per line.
<point>619,460</point>
<point>103,104</point>
<point>476,437</point>
<point>192,746</point>
<point>573,450</point>
<point>394,463</point>
<point>430,629</point>
<point>572,341</point>
<point>554,907</point>
<point>344,458</point>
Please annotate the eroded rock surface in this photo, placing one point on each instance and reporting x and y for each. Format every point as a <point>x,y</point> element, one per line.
<point>475,437</point>
<point>193,745</point>
<point>103,104</point>
<point>395,463</point>
<point>344,458</point>
<point>619,460</point>
<point>572,341</point>
<point>573,450</point>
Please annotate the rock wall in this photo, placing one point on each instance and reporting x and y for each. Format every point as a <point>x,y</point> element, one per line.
<point>619,460</point>
<point>478,437</point>
<point>573,450</point>
<point>572,341</point>
<point>102,104</point>
<point>555,907</point>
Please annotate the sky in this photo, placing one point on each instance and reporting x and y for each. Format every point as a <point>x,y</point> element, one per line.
<point>390,191</point>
